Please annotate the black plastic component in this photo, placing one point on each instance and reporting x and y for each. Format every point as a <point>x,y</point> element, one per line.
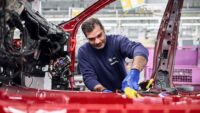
<point>165,54</point>
<point>59,83</point>
<point>162,79</point>
<point>144,84</point>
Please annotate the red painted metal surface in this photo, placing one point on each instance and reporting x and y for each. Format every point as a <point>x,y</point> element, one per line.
<point>19,99</point>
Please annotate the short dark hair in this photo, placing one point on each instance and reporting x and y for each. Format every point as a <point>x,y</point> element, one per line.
<point>89,24</point>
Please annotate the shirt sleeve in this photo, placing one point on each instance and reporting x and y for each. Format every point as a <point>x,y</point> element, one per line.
<point>131,49</point>
<point>89,76</point>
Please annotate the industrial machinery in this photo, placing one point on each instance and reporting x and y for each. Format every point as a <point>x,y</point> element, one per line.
<point>38,45</point>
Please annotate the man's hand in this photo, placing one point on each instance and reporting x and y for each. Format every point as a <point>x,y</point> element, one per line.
<point>131,80</point>
<point>99,88</point>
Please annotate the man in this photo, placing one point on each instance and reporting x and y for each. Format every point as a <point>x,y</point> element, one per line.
<point>102,59</point>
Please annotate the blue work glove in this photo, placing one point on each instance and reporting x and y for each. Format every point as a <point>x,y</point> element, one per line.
<point>107,91</point>
<point>131,80</point>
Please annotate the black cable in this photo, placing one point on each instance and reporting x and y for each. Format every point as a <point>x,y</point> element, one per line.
<point>156,70</point>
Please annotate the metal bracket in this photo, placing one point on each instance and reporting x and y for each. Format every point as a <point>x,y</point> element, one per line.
<point>166,45</point>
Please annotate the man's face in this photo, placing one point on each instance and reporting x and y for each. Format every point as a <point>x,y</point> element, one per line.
<point>97,37</point>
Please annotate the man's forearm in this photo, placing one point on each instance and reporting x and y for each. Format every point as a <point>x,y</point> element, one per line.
<point>139,62</point>
<point>99,88</point>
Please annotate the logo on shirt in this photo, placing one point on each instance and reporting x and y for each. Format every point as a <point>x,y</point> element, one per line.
<point>113,60</point>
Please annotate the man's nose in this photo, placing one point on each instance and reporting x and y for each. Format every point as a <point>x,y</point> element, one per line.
<point>97,41</point>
